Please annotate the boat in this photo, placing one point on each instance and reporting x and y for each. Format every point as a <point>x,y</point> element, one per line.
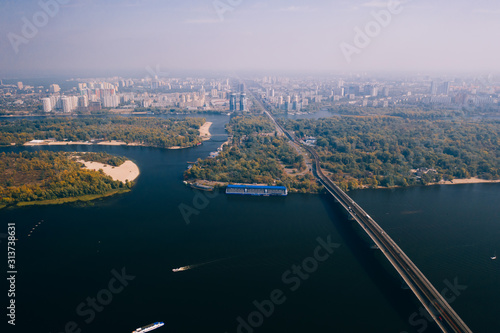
<point>149,327</point>
<point>180,269</point>
<point>494,257</point>
<point>201,187</point>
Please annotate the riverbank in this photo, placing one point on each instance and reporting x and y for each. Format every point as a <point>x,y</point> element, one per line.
<point>472,180</point>
<point>83,198</point>
<point>84,143</point>
<point>205,131</point>
<point>128,171</point>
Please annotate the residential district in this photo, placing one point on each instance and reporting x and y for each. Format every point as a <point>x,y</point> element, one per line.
<point>285,93</point>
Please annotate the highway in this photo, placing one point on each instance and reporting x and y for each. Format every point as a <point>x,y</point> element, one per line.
<point>435,304</point>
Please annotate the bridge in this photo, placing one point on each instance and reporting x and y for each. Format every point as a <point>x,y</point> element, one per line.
<point>435,304</point>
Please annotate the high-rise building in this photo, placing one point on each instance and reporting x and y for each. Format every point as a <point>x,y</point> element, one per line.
<point>385,92</point>
<point>111,101</point>
<point>338,92</point>
<point>445,88</point>
<point>295,105</point>
<point>287,103</point>
<point>371,90</point>
<point>20,86</point>
<point>434,88</point>
<point>243,102</point>
<point>74,102</point>
<point>83,101</point>
<point>47,104</point>
<point>232,102</point>
<point>54,88</point>
<point>242,87</point>
<point>66,104</point>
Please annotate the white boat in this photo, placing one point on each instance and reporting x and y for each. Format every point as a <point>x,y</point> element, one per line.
<point>180,269</point>
<point>494,257</point>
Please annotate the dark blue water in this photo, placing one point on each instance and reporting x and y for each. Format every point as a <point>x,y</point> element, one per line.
<point>239,249</point>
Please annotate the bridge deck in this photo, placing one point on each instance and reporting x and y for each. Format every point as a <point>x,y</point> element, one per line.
<point>439,309</point>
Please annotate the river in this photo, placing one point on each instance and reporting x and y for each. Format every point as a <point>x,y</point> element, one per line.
<point>240,253</point>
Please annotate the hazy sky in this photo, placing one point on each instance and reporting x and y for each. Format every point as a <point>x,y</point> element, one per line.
<point>91,36</point>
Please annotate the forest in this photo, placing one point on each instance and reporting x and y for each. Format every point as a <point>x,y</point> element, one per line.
<point>156,132</point>
<point>103,158</point>
<point>388,151</point>
<point>45,175</point>
<point>256,156</point>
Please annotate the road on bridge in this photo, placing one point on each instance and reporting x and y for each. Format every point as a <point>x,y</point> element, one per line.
<point>437,306</point>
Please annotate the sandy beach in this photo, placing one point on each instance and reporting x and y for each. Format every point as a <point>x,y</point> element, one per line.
<point>69,143</point>
<point>127,171</point>
<point>55,143</point>
<point>205,131</point>
<point>112,143</point>
<point>472,180</point>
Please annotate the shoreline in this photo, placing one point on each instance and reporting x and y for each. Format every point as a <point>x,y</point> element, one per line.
<point>472,180</point>
<point>461,181</point>
<point>79,143</point>
<point>60,201</point>
<point>205,131</point>
<point>101,143</point>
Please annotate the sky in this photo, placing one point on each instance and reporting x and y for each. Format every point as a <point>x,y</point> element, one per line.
<point>88,37</point>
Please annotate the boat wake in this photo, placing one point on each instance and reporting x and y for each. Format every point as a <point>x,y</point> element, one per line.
<point>188,267</point>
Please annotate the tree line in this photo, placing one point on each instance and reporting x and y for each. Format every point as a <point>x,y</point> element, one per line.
<point>382,151</point>
<point>254,158</point>
<point>157,132</point>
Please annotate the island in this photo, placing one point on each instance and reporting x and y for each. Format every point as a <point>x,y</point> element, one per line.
<point>253,155</point>
<point>135,131</point>
<point>44,177</point>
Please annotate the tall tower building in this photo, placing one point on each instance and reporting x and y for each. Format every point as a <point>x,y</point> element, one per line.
<point>47,104</point>
<point>20,86</point>
<point>445,88</point>
<point>232,102</point>
<point>434,88</point>
<point>66,104</point>
<point>83,101</point>
<point>295,105</point>
<point>243,102</point>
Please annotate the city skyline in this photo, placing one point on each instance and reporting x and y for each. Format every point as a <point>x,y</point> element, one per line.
<point>85,37</point>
